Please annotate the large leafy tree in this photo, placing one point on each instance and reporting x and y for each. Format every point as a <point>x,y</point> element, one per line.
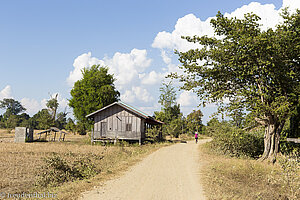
<point>95,90</point>
<point>42,120</point>
<point>12,107</point>
<point>260,69</point>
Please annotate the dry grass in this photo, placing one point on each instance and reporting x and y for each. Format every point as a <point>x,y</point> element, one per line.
<point>232,178</point>
<point>21,164</point>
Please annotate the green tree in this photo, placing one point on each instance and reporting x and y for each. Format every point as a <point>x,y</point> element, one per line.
<point>244,62</point>
<point>61,120</point>
<point>12,107</point>
<point>175,127</point>
<point>167,95</point>
<point>170,111</point>
<point>94,91</point>
<point>11,122</point>
<point>168,114</point>
<point>42,120</point>
<point>194,121</point>
<point>24,120</point>
<point>70,125</point>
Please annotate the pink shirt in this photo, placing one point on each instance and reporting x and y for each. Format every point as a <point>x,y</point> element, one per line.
<point>196,135</point>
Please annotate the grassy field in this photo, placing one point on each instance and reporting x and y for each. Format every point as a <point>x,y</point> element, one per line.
<point>38,166</point>
<point>231,178</point>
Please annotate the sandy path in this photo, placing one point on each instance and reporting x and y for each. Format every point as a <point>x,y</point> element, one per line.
<point>169,173</point>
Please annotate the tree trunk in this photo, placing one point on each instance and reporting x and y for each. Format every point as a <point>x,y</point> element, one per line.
<point>271,140</point>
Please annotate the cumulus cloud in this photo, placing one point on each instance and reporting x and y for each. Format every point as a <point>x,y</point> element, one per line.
<point>142,94</point>
<point>187,98</point>
<point>152,78</point>
<point>190,25</point>
<point>269,15</point>
<point>32,106</point>
<point>127,66</point>
<point>292,4</point>
<point>6,92</point>
<point>166,58</point>
<point>128,69</point>
<point>82,61</point>
<point>128,96</point>
<point>137,93</point>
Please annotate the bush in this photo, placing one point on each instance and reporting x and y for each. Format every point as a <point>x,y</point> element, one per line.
<point>237,142</point>
<point>153,134</point>
<point>57,170</point>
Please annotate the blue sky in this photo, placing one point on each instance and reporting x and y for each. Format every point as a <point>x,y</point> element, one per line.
<point>44,44</point>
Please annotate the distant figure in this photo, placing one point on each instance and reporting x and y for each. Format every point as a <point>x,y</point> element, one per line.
<point>196,137</point>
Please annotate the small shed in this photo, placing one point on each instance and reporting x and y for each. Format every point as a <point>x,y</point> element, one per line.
<point>120,121</point>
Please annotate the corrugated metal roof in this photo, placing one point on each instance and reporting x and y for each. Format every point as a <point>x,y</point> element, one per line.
<point>134,109</point>
<point>124,105</point>
<point>128,107</point>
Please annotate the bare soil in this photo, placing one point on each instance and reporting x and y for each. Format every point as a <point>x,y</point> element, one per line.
<point>170,173</point>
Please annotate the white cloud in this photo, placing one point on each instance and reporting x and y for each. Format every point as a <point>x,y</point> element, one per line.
<point>292,4</point>
<point>128,69</point>
<point>32,106</point>
<point>190,25</point>
<point>128,96</point>
<point>152,78</point>
<point>137,93</point>
<point>187,98</point>
<point>6,92</point>
<point>269,15</point>
<point>127,66</point>
<point>82,61</point>
<point>142,94</point>
<point>166,58</point>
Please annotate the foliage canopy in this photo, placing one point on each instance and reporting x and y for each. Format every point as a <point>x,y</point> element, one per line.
<point>12,107</point>
<point>258,69</point>
<point>95,90</point>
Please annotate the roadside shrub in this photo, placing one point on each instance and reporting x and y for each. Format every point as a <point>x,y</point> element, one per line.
<point>152,134</point>
<point>57,170</point>
<point>237,142</point>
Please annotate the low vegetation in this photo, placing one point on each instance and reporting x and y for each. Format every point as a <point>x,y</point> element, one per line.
<point>234,141</point>
<point>232,170</point>
<point>225,177</point>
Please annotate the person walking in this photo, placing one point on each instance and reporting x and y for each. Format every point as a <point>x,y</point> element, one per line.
<point>196,137</point>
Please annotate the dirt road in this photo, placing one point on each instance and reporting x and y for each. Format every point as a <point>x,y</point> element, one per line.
<point>169,173</point>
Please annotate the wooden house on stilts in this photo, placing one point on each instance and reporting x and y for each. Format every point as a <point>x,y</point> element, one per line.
<point>120,121</point>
